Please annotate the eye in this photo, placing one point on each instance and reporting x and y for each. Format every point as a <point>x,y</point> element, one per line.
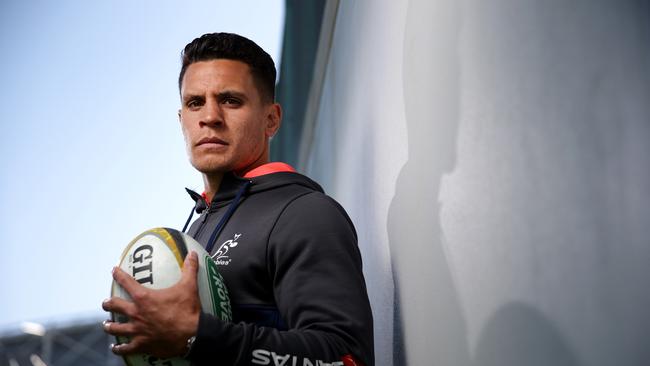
<point>231,100</point>
<point>194,103</point>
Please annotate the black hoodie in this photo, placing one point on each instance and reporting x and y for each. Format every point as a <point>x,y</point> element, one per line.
<point>289,257</point>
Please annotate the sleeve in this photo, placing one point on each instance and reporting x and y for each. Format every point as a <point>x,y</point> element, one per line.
<point>315,265</point>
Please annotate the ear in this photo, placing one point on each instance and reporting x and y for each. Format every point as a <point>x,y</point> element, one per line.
<point>179,117</point>
<point>273,119</point>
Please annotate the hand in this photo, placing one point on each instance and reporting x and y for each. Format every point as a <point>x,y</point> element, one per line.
<point>160,321</point>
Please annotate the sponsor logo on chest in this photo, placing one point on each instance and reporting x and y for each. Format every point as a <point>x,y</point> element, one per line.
<point>222,257</point>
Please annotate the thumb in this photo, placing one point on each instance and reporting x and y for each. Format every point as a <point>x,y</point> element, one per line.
<point>190,268</point>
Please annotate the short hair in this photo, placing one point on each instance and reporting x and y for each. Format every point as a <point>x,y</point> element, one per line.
<point>212,46</point>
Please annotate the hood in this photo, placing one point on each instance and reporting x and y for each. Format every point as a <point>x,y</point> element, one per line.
<point>234,188</point>
<point>265,177</point>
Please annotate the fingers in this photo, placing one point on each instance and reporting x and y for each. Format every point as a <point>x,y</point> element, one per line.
<point>118,329</point>
<point>126,348</point>
<point>154,313</point>
<point>191,262</point>
<point>127,282</point>
<point>190,268</point>
<point>119,305</point>
<point>136,291</point>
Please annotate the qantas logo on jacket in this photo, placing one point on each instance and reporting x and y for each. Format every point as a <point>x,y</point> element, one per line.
<point>221,255</point>
<point>264,357</point>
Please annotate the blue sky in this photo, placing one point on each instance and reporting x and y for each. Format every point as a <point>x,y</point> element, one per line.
<point>91,152</point>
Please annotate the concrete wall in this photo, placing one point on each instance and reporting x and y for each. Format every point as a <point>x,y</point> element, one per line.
<point>494,158</point>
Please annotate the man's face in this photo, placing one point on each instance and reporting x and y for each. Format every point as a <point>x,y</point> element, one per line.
<point>225,123</point>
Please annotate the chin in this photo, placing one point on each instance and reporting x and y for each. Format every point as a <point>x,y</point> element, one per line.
<point>211,167</point>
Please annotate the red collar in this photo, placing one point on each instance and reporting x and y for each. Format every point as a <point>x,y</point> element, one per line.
<point>269,168</point>
<point>265,169</point>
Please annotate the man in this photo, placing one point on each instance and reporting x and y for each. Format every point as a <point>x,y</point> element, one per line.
<point>287,252</point>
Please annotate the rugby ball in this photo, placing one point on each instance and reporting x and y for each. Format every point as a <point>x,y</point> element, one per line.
<point>155,259</point>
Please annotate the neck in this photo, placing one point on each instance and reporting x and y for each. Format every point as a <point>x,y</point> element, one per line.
<point>211,183</point>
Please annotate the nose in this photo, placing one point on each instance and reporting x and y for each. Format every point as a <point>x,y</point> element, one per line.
<point>212,114</point>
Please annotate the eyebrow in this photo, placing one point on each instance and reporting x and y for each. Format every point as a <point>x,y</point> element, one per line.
<point>231,93</point>
<point>188,97</point>
<point>220,95</point>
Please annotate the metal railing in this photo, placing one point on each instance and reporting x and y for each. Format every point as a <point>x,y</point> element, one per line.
<point>83,343</point>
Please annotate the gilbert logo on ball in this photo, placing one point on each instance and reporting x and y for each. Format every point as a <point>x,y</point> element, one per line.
<point>155,259</point>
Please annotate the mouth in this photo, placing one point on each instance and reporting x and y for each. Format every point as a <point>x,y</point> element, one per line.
<point>211,141</point>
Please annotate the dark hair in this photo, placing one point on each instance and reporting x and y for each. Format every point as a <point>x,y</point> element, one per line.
<point>232,46</point>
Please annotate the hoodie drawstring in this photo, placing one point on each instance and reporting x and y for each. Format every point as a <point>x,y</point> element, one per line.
<point>231,209</point>
<point>201,205</point>
<point>188,220</point>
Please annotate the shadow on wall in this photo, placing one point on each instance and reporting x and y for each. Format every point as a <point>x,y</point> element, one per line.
<point>428,323</point>
<point>518,334</point>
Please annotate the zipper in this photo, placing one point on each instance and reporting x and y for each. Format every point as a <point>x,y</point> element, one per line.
<point>224,218</point>
<point>203,219</point>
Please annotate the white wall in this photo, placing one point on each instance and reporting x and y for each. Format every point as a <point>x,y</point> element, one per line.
<point>494,158</point>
